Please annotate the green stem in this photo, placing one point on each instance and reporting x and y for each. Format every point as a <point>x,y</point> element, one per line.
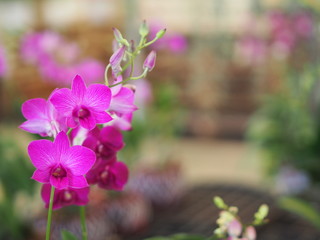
<point>131,78</point>
<point>83,222</point>
<point>106,74</point>
<point>50,214</point>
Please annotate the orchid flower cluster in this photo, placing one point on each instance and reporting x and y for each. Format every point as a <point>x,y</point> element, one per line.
<point>284,34</point>
<point>58,60</point>
<point>85,123</point>
<point>229,223</point>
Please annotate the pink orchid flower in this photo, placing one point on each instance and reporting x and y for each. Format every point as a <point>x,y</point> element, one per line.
<point>111,176</point>
<point>105,142</point>
<point>122,107</point>
<point>42,118</point>
<point>59,164</point>
<point>65,197</point>
<point>81,105</point>
<point>122,101</point>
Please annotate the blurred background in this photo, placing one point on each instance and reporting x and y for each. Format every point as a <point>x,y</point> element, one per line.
<point>232,108</point>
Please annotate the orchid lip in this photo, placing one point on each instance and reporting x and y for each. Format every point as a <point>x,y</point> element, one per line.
<point>59,172</point>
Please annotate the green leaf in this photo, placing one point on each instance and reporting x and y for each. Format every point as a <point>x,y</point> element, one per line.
<point>301,208</point>
<point>66,235</point>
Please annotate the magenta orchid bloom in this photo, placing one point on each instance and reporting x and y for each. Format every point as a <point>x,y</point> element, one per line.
<point>122,107</point>
<point>42,118</point>
<point>65,197</point>
<point>83,106</point>
<point>59,164</point>
<point>105,142</point>
<point>111,176</point>
<point>122,101</point>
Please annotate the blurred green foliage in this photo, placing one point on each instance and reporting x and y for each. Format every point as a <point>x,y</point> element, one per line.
<point>301,208</point>
<point>287,127</point>
<point>162,119</point>
<point>15,173</point>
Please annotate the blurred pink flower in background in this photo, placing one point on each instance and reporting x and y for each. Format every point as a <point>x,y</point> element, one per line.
<point>57,60</point>
<point>174,42</point>
<point>3,62</point>
<point>251,49</point>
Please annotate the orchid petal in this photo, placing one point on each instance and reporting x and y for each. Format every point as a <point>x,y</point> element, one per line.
<point>78,182</point>
<point>64,101</point>
<point>59,183</point>
<point>35,109</point>
<point>41,154</point>
<point>78,88</point>
<point>98,97</point>
<point>38,126</point>
<point>79,160</point>
<point>42,176</point>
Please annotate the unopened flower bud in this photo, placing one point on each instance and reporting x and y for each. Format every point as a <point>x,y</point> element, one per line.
<point>218,201</point>
<point>161,33</point>
<point>117,34</point>
<point>234,228</point>
<point>144,29</point>
<point>150,61</point>
<point>250,233</point>
<point>116,58</point>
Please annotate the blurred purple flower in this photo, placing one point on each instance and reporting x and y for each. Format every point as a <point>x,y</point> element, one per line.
<point>251,49</point>
<point>176,43</point>
<point>65,197</point>
<point>58,61</point>
<point>303,24</point>
<point>291,181</point>
<point>3,62</point>
<point>59,164</point>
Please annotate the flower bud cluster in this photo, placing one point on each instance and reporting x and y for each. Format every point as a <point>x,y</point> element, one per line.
<point>229,223</point>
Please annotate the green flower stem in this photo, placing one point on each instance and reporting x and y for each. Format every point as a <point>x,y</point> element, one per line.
<point>132,78</point>
<point>50,213</point>
<point>83,222</point>
<point>106,74</point>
